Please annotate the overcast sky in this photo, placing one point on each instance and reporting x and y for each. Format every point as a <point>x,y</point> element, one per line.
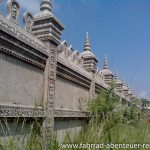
<point>119,28</point>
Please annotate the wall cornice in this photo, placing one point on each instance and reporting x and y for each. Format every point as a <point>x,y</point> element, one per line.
<point>13,111</point>
<point>18,111</point>
<point>64,113</point>
<point>21,34</point>
<point>9,39</point>
<point>73,73</point>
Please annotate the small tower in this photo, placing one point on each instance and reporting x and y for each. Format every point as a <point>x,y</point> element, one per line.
<point>46,26</point>
<point>108,75</point>
<point>134,97</point>
<point>130,93</point>
<point>125,89</point>
<point>90,60</point>
<point>118,83</point>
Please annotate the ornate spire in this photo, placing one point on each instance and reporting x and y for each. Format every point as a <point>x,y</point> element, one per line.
<point>41,27</point>
<point>46,5</point>
<point>116,75</point>
<point>123,81</point>
<point>106,64</point>
<point>87,46</point>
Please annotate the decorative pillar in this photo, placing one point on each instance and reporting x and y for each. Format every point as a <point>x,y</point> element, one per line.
<point>48,29</point>
<point>92,89</point>
<point>48,124</point>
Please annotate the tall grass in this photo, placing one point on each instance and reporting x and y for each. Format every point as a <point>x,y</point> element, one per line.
<point>111,122</point>
<point>114,122</point>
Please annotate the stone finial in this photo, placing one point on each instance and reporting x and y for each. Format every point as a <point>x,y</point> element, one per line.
<point>42,28</point>
<point>13,10</point>
<point>28,21</point>
<point>118,83</point>
<point>116,74</point>
<point>106,64</point>
<point>87,46</point>
<point>130,91</point>
<point>106,72</point>
<point>125,88</point>
<point>46,5</point>
<point>90,60</point>
<point>123,81</point>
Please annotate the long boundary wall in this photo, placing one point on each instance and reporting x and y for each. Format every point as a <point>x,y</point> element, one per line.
<point>36,82</point>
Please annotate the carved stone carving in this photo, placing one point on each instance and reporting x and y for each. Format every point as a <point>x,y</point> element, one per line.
<point>20,111</point>
<point>13,10</point>
<point>64,50</point>
<point>80,60</point>
<point>99,78</point>
<point>69,54</point>
<point>31,112</point>
<point>75,57</point>
<point>92,89</point>
<point>28,21</point>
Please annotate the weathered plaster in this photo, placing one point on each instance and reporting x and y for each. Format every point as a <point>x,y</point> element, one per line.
<point>20,83</point>
<point>70,95</point>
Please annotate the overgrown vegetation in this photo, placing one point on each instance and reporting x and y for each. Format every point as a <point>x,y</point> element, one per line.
<point>111,122</point>
<point>114,122</point>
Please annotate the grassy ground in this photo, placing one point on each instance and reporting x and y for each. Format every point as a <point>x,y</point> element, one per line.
<point>137,133</point>
<point>93,133</point>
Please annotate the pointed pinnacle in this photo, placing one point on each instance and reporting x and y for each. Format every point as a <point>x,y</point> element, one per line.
<point>87,46</point>
<point>123,81</point>
<point>106,64</point>
<point>116,74</point>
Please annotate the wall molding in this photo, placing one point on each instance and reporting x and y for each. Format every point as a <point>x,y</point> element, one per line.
<point>64,113</point>
<point>21,50</point>
<point>13,111</point>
